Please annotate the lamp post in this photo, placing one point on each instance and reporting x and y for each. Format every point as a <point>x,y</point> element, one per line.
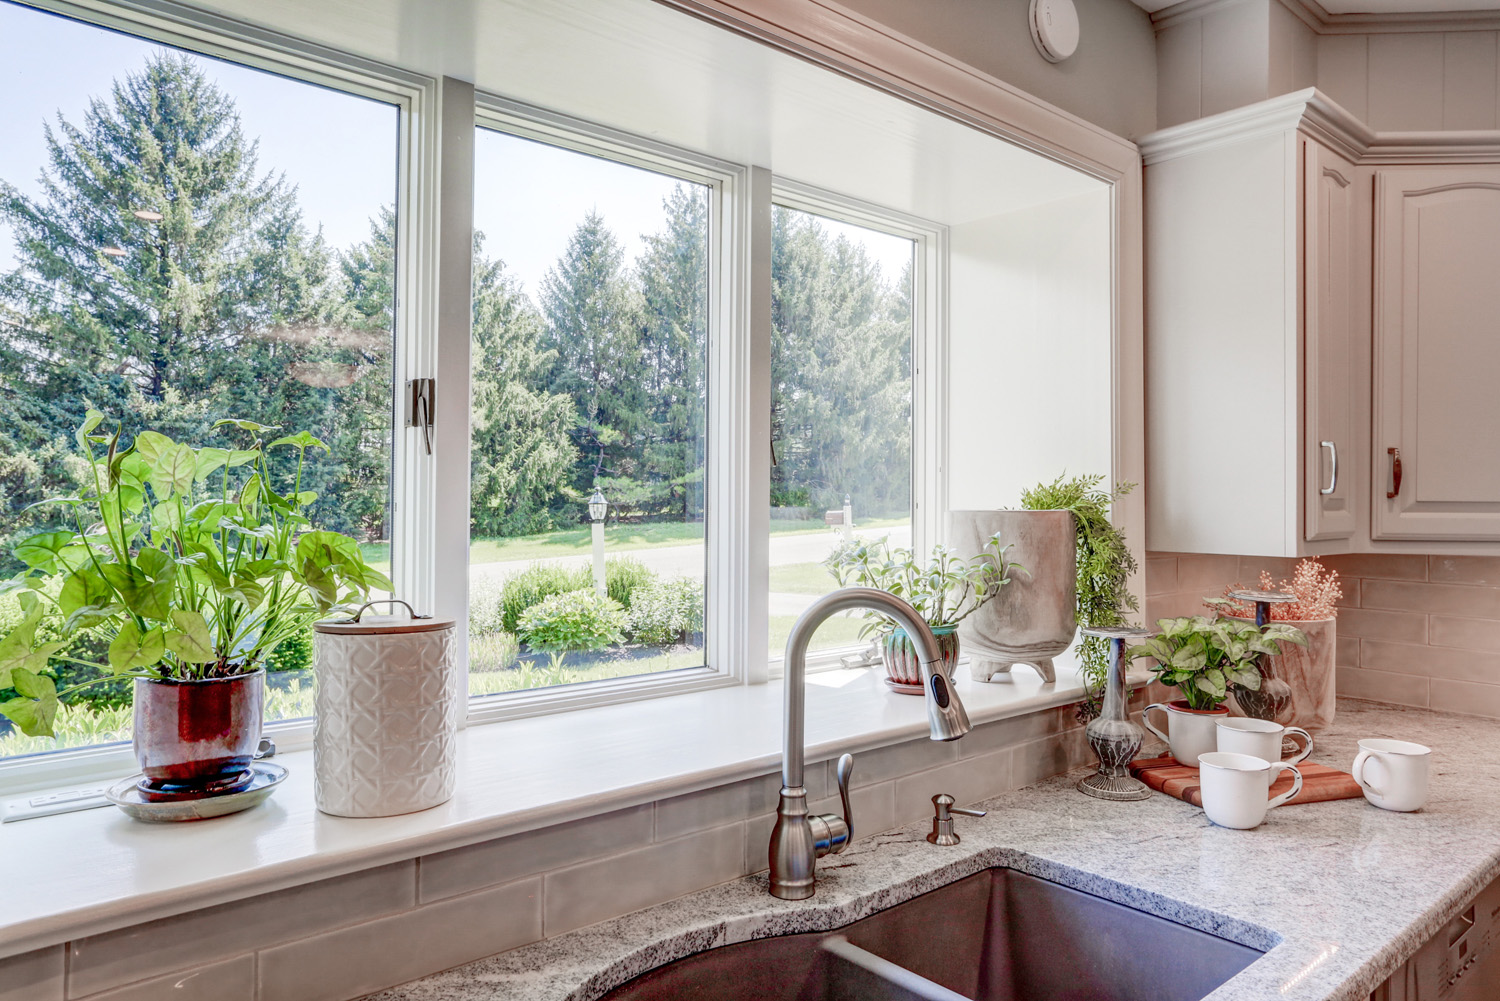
<point>598,507</point>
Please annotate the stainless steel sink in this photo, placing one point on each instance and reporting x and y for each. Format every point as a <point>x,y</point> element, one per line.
<point>999,935</point>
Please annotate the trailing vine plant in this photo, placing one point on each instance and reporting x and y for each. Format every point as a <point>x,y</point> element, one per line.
<point>1105,564</point>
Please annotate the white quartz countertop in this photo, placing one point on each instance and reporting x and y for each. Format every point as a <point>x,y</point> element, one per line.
<point>1338,894</point>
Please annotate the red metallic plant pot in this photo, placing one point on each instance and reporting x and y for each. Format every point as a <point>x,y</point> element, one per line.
<point>197,733</point>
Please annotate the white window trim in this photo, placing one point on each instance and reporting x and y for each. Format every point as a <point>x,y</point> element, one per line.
<point>929,356</point>
<point>417,100</point>
<point>728,487</point>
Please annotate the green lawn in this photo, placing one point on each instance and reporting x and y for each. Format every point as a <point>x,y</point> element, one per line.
<point>839,631</point>
<point>802,578</point>
<point>618,539</point>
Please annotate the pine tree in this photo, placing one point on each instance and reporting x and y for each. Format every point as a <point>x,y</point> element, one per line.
<point>673,277</point>
<point>592,326</point>
<point>521,455</point>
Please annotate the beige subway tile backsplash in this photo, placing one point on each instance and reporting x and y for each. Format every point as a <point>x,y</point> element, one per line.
<point>1383,624</point>
<point>1382,686</point>
<point>1469,634</point>
<point>576,896</point>
<point>353,961</point>
<point>1392,566</point>
<point>230,980</point>
<point>116,958</point>
<point>33,976</point>
<point>505,859</point>
<point>1447,599</point>
<point>1465,697</point>
<point>1464,569</point>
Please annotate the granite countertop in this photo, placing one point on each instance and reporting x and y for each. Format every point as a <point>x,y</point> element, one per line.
<point>1338,894</point>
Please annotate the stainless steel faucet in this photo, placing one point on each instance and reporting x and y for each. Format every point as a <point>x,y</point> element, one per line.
<point>799,838</point>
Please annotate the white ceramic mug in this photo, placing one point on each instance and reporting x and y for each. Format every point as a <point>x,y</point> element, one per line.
<point>1190,732</point>
<point>1260,738</point>
<point>1235,788</point>
<point>1393,773</point>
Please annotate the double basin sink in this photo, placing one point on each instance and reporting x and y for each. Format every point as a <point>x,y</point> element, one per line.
<point>998,935</point>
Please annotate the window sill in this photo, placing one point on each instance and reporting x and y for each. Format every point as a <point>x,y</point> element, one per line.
<point>512,777</point>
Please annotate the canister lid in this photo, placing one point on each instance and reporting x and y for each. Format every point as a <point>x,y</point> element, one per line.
<point>374,625</point>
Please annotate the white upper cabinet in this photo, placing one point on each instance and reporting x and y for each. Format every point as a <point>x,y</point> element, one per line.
<point>1257,334</point>
<point>1437,353</point>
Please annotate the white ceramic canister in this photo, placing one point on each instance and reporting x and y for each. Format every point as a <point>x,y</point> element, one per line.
<point>384,738</point>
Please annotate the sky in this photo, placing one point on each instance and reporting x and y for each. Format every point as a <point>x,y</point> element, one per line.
<point>340,151</point>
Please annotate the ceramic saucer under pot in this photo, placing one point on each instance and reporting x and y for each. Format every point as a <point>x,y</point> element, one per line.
<point>127,795</point>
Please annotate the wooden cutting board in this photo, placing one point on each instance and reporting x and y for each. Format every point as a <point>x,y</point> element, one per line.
<point>1320,783</point>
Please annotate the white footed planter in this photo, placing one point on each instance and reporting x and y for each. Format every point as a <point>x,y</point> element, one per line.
<point>387,725</point>
<point>1033,618</point>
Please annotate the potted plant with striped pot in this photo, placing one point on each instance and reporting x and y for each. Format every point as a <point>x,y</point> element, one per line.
<point>945,590</point>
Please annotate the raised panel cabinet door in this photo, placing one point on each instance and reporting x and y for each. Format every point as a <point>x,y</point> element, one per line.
<point>1332,317</point>
<point>1437,353</point>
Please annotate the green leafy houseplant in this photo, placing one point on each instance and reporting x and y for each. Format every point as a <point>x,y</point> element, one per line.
<point>944,591</point>
<point>186,557</point>
<point>1202,657</point>
<point>1105,565</point>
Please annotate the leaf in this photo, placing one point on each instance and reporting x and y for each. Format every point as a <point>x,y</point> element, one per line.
<point>32,716</point>
<point>239,456</point>
<point>84,587</point>
<point>40,551</point>
<point>173,471</point>
<point>131,648</point>
<point>19,650</point>
<point>150,446</point>
<point>245,425</point>
<point>91,420</point>
<point>209,460</point>
<point>143,595</point>
<point>301,440</point>
<point>88,616</point>
<point>190,640</point>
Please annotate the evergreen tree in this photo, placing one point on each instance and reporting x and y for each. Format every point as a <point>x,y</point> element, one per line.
<point>840,373</point>
<point>593,330</point>
<point>521,455</point>
<point>673,276</point>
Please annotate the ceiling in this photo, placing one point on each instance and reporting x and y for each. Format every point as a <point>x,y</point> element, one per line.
<point>638,66</point>
<point>1366,6</point>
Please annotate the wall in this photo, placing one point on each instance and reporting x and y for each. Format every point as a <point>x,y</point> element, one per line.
<point>1110,81</point>
<point>1414,81</point>
<point>1029,354</point>
<point>1412,630</point>
<point>345,937</point>
<point>1231,56</point>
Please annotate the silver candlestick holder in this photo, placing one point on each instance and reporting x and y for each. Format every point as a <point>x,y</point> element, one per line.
<point>1114,738</point>
<point>1274,700</point>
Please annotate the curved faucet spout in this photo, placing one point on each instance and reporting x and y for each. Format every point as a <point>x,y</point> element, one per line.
<point>794,845</point>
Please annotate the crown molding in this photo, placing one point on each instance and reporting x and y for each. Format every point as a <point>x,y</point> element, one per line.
<point>1314,113</point>
<point>1320,20</point>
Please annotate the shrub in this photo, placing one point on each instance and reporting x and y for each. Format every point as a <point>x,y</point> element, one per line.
<point>623,575</point>
<point>575,620</point>
<point>295,653</point>
<point>667,611</point>
<point>535,584</point>
<point>486,606</point>
<point>492,651</point>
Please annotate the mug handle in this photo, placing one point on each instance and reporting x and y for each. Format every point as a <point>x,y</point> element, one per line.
<point>1307,744</point>
<point>1358,771</point>
<point>1277,767</point>
<point>1146,721</point>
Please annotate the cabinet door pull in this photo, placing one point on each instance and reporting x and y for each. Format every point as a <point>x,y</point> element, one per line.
<point>1395,454</point>
<point>1333,473</point>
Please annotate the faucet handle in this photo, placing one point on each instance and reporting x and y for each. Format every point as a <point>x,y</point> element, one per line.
<point>832,833</point>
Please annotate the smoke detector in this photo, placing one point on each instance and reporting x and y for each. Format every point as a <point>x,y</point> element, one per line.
<point>1054,28</point>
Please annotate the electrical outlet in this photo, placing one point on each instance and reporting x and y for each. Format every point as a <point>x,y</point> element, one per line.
<point>53,803</point>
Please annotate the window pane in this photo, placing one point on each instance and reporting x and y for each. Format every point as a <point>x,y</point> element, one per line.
<point>841,405</point>
<point>589,368</point>
<point>184,239</point>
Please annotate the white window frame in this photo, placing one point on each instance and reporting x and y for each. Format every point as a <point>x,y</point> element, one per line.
<point>726,483</point>
<point>929,359</point>
<point>418,100</point>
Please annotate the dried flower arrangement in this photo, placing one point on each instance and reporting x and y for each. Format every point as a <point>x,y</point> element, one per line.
<point>1317,589</point>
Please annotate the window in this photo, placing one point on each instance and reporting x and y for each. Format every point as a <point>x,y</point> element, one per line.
<point>589,394</point>
<point>841,409</point>
<point>184,238</point>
